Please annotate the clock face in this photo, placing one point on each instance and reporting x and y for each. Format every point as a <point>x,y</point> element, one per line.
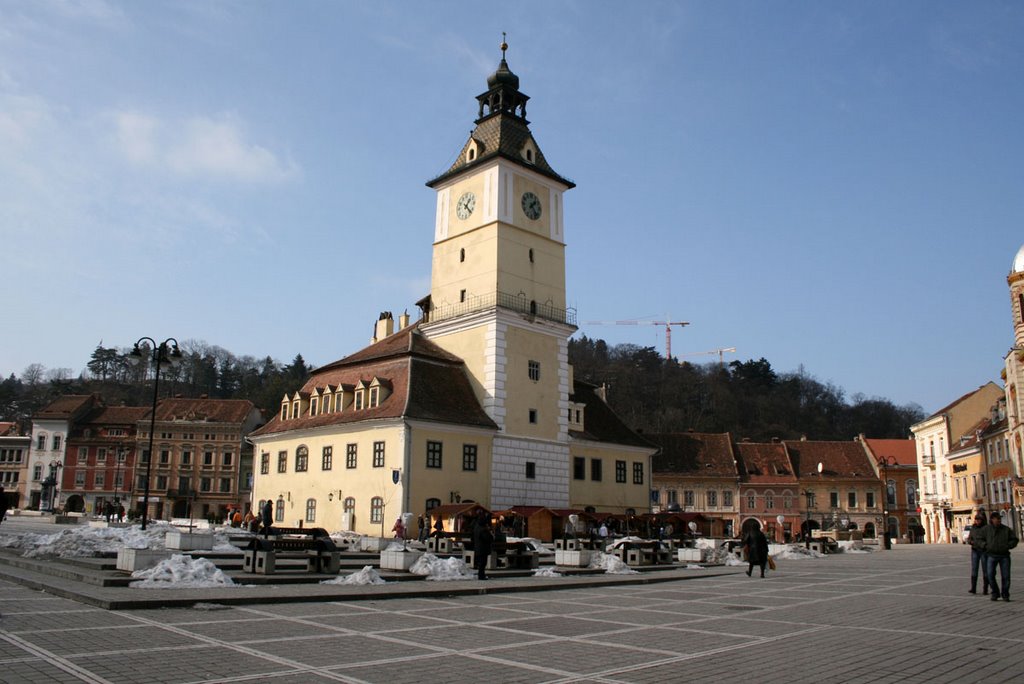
<point>465,205</point>
<point>531,206</point>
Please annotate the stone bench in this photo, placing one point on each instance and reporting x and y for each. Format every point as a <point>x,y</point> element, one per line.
<point>313,545</point>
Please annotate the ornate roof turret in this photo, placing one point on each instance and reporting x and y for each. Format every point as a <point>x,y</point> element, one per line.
<point>502,129</point>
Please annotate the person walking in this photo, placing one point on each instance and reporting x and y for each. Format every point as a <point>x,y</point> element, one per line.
<point>756,545</point>
<point>3,503</point>
<point>996,541</point>
<point>483,540</point>
<point>978,555</point>
<point>267,515</point>
<point>421,529</point>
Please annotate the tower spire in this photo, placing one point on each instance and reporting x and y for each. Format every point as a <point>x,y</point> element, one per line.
<point>504,46</point>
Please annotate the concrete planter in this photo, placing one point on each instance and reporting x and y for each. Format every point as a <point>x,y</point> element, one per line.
<point>184,541</point>
<point>130,560</point>
<point>377,544</point>
<point>399,560</point>
<point>578,558</point>
<point>688,555</point>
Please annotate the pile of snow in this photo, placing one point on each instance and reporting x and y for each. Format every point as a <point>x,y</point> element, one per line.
<point>365,576</point>
<point>534,544</point>
<point>797,552</point>
<point>691,566</point>
<point>440,570</point>
<point>180,571</point>
<point>854,546</point>
<point>76,542</point>
<point>395,546</point>
<point>611,564</point>
<point>622,540</point>
<point>547,572</point>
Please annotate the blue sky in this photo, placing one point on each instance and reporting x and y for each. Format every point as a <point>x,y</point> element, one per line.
<point>836,185</point>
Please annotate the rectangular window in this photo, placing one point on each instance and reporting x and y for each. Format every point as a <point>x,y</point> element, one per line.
<point>56,442</point>
<point>350,455</point>
<point>327,460</point>
<point>284,411</point>
<point>469,456</point>
<point>204,484</point>
<point>620,471</point>
<point>186,457</point>
<point>769,502</point>
<point>462,296</point>
<point>161,482</point>
<point>282,461</point>
<point>434,454</point>
<point>115,432</point>
<point>595,469</point>
<point>688,497</point>
<point>531,470</point>
<point>264,463</point>
<point>378,455</point>
<point>301,459</point>
<point>184,485</point>
<point>533,370</point>
<point>310,510</point>
<point>851,499</point>
<point>712,498</point>
<point>359,400</point>
<point>833,499</point>
<point>80,479</point>
<point>870,499</point>
<point>226,459</point>
<point>638,473</point>
<point>533,416</point>
<point>165,457</point>
<point>295,410</point>
<point>166,435</point>
<point>144,456</point>
<point>41,442</point>
<point>727,498</point>
<point>312,407</point>
<point>83,455</point>
<point>97,480</point>
<point>579,468</point>
<point>225,485</point>
<point>101,455</point>
<point>37,473</point>
<point>207,459</point>
<point>751,501</point>
<point>374,397</point>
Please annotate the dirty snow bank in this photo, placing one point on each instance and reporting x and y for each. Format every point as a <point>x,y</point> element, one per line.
<point>181,572</point>
<point>365,576</point>
<point>439,570</point>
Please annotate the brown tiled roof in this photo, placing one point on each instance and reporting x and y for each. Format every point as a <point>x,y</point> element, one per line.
<point>839,459</point>
<point>210,410</point>
<point>903,451</point>
<point>66,406</point>
<point>764,463</point>
<point>116,415</point>
<point>695,453</point>
<point>600,422</point>
<point>501,135</point>
<point>7,428</point>
<point>426,383</point>
<point>972,438</point>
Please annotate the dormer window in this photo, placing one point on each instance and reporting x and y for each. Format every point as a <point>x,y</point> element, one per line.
<point>284,411</point>
<point>473,150</point>
<point>374,397</point>
<point>295,409</point>
<point>339,400</point>
<point>313,406</point>
<point>529,152</point>
<point>359,400</point>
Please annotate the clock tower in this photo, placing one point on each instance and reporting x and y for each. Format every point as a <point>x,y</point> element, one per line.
<point>497,293</point>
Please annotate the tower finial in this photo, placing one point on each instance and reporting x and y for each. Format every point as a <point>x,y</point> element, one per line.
<point>504,45</point>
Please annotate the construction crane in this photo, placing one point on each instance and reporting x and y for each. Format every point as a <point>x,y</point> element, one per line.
<point>668,329</point>
<point>721,354</point>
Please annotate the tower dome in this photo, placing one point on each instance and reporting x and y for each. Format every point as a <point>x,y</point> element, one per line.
<point>1018,261</point>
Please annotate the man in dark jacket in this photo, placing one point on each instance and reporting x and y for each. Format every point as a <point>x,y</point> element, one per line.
<point>996,541</point>
<point>483,540</point>
<point>978,556</point>
<point>267,516</point>
<point>756,545</point>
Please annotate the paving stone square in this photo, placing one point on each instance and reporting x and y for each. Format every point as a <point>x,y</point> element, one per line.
<point>899,616</point>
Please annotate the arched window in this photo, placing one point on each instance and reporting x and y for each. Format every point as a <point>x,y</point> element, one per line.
<point>890,492</point>
<point>432,504</point>
<point>301,459</point>
<point>787,499</point>
<point>279,510</point>
<point>350,505</point>
<point>751,501</point>
<point>769,500</point>
<point>912,494</point>
<point>472,154</point>
<point>310,510</point>
<point>376,509</point>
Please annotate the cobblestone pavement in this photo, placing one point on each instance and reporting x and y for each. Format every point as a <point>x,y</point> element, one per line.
<point>899,616</point>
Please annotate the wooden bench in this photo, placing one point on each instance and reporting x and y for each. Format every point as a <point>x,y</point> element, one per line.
<point>312,544</point>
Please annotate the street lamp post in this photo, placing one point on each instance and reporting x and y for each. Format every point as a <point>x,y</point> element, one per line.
<point>810,504</point>
<point>885,462</point>
<point>165,353</point>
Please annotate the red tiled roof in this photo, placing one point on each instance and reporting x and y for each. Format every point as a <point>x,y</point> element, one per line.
<point>7,428</point>
<point>66,406</point>
<point>117,415</point>
<point>695,453</point>
<point>764,463</point>
<point>844,460</point>
<point>426,382</point>
<point>210,410</point>
<point>600,422</point>
<point>903,451</point>
<point>971,438</point>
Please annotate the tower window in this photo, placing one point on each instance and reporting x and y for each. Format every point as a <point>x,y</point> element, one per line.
<point>531,470</point>
<point>1020,305</point>
<point>472,154</point>
<point>531,255</point>
<point>533,416</point>
<point>462,296</point>
<point>462,255</point>
<point>534,370</point>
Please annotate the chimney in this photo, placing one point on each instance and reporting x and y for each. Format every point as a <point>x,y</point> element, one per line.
<point>384,327</point>
<point>602,392</point>
<point>403,320</point>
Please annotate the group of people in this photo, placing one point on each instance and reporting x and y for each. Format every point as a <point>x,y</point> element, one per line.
<point>112,512</point>
<point>990,551</point>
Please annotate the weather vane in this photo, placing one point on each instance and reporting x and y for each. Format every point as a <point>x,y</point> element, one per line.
<point>504,45</point>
